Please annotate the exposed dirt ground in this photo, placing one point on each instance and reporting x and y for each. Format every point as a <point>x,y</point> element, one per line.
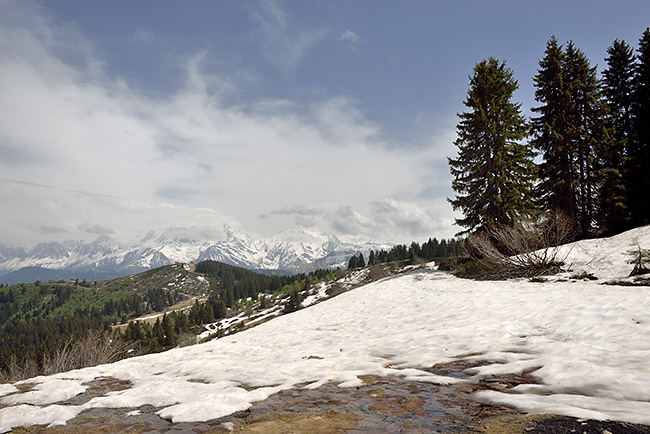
<point>380,405</point>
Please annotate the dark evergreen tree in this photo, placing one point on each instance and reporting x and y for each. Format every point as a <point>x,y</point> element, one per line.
<point>618,78</point>
<point>416,251</point>
<point>494,171</point>
<point>264,303</point>
<point>229,298</point>
<point>158,335</point>
<point>638,174</point>
<point>294,303</point>
<point>575,134</point>
<point>168,331</point>
<point>611,214</point>
<point>555,190</point>
<point>183,322</point>
<point>219,308</point>
<point>590,132</point>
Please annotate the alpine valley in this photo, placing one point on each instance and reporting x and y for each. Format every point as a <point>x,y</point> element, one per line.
<point>106,257</point>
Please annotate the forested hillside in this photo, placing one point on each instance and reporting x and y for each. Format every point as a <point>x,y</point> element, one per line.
<point>160,308</point>
<point>38,320</point>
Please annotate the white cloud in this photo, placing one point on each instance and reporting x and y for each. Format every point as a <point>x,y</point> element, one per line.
<point>301,210</point>
<point>396,221</point>
<point>41,213</point>
<point>349,36</point>
<point>406,215</point>
<point>282,42</point>
<point>49,230</point>
<point>79,146</point>
<point>388,220</point>
<point>352,38</point>
<point>96,229</point>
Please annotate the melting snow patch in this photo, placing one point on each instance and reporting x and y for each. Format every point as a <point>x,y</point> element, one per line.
<point>6,389</point>
<point>357,276</point>
<point>48,390</point>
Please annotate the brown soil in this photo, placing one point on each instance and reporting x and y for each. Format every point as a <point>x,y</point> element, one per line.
<point>380,405</point>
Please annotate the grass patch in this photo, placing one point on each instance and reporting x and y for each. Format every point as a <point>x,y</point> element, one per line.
<point>281,423</point>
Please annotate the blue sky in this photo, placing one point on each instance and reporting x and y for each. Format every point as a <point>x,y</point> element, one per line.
<point>265,115</point>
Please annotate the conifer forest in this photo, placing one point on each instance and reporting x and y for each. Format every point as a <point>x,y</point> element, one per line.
<point>584,154</point>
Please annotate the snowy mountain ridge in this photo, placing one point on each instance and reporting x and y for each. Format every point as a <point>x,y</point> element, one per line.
<point>289,250</point>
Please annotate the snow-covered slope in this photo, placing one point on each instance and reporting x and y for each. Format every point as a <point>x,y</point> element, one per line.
<point>286,250</point>
<point>606,258</point>
<point>587,343</point>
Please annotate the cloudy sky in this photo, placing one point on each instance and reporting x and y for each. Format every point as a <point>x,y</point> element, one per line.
<point>266,115</point>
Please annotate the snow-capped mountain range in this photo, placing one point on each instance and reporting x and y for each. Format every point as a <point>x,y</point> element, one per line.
<point>105,257</point>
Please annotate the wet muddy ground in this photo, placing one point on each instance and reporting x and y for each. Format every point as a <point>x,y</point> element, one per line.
<point>380,405</point>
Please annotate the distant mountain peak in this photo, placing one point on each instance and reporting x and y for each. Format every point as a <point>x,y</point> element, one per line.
<point>300,249</point>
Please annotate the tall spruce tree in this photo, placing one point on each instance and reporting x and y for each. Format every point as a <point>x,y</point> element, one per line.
<point>638,174</point>
<point>555,190</point>
<point>590,131</point>
<point>573,131</point>
<point>618,79</point>
<point>494,170</point>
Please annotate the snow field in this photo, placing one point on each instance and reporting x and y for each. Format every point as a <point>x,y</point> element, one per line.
<point>226,323</point>
<point>606,257</point>
<point>588,343</point>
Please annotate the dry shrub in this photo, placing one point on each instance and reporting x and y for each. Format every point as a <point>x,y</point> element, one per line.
<point>95,348</point>
<point>525,249</point>
<point>16,371</point>
<point>92,349</point>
